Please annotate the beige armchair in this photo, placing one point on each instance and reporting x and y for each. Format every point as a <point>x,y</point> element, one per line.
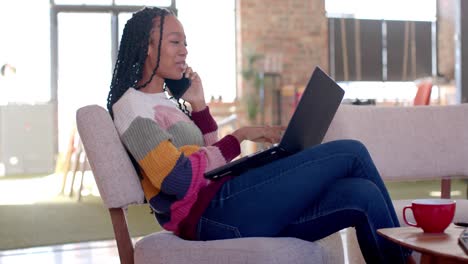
<point>119,187</point>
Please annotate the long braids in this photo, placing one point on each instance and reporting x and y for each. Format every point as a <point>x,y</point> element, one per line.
<point>159,56</point>
<point>182,106</point>
<point>132,54</point>
<point>131,58</point>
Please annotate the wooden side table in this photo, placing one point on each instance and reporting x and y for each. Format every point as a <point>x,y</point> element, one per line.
<point>434,248</point>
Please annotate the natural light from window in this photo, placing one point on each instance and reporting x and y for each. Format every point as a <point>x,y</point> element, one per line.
<point>412,10</point>
<point>25,46</point>
<point>210,29</point>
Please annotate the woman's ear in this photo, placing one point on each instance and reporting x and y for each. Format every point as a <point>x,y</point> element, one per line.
<point>153,53</point>
<point>150,50</point>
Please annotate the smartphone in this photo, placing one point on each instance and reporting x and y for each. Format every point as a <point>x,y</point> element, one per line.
<point>178,87</point>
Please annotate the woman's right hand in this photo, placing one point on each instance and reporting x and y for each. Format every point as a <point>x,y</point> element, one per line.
<point>261,134</point>
<point>194,95</point>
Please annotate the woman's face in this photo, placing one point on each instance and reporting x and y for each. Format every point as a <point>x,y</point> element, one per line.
<point>173,49</point>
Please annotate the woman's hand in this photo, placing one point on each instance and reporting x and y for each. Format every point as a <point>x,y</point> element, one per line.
<point>268,134</point>
<point>194,95</point>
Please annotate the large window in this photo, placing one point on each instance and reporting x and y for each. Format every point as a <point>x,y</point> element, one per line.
<point>211,31</point>
<point>25,46</point>
<point>87,36</point>
<point>379,47</point>
<point>84,66</point>
<point>382,40</point>
<point>381,50</point>
<point>116,2</point>
<point>411,10</point>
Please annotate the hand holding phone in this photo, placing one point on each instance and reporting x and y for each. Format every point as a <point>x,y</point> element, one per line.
<point>189,88</point>
<point>177,88</point>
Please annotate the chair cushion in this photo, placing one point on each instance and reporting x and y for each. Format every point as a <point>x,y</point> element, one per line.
<point>164,247</point>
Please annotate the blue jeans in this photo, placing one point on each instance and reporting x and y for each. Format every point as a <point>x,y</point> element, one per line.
<point>308,195</point>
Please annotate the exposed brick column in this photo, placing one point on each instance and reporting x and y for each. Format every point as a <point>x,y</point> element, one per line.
<point>294,30</point>
<point>297,29</point>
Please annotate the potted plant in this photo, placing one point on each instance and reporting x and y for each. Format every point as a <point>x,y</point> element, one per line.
<point>254,91</point>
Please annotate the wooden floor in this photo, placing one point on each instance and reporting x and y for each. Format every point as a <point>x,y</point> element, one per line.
<point>79,253</point>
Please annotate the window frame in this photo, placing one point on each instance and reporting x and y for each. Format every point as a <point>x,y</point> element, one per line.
<point>55,9</point>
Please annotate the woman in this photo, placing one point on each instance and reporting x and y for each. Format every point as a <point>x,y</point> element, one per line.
<point>309,195</point>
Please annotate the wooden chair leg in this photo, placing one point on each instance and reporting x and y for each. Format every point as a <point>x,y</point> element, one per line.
<point>66,169</point>
<point>122,236</point>
<point>65,166</point>
<point>84,165</point>
<point>445,188</point>
<point>75,165</point>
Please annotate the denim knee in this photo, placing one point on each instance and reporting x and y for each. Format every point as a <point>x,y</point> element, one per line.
<point>352,146</point>
<point>359,193</point>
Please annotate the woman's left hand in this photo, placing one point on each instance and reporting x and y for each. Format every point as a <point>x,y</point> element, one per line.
<point>260,134</point>
<point>194,95</point>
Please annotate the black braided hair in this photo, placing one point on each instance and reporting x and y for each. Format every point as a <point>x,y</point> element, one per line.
<point>132,55</point>
<point>184,108</point>
<point>133,50</point>
<point>180,103</point>
<point>131,58</point>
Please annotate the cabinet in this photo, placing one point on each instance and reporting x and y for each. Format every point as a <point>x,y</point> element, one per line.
<point>27,139</point>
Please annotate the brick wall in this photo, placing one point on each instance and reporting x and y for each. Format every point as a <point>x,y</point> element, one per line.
<point>294,34</point>
<point>291,34</point>
<point>294,30</point>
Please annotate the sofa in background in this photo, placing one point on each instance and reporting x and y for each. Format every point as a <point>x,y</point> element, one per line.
<point>409,144</point>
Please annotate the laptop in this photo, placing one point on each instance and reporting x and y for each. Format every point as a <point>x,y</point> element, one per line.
<point>307,127</point>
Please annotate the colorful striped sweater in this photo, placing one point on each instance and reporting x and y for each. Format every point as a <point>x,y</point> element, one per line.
<point>173,153</point>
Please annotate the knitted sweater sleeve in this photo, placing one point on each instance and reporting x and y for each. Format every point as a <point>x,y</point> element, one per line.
<point>171,170</point>
<point>205,121</point>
